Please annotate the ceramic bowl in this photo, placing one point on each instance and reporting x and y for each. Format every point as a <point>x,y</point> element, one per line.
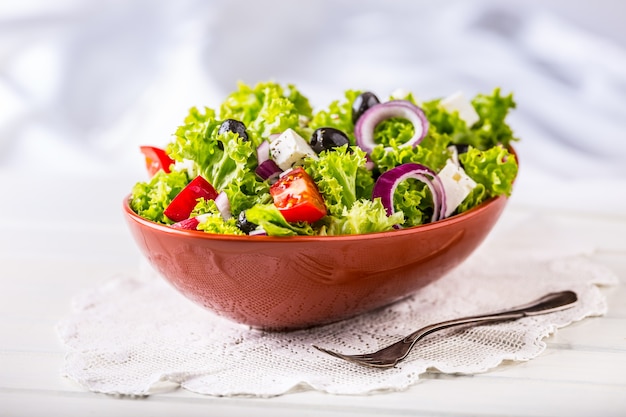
<point>282,283</point>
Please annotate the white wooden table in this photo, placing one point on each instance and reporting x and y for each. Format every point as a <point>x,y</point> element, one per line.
<point>60,236</point>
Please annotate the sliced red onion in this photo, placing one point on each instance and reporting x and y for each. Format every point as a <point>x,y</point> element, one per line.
<point>190,223</point>
<point>365,125</point>
<point>259,231</point>
<point>268,169</point>
<point>223,205</point>
<point>263,152</point>
<point>273,136</point>
<point>388,181</point>
<point>187,224</point>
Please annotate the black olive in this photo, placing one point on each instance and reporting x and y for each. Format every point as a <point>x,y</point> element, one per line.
<point>243,224</point>
<point>326,138</point>
<point>235,126</point>
<point>461,148</point>
<point>363,102</point>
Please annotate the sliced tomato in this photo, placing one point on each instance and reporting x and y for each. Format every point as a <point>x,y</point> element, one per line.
<point>182,205</point>
<point>156,159</point>
<point>297,198</point>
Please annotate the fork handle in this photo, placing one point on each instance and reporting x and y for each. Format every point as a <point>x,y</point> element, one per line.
<point>549,303</point>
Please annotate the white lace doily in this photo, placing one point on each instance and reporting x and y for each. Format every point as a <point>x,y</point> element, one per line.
<point>134,333</point>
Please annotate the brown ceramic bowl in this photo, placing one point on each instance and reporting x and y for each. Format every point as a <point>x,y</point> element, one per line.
<point>282,283</point>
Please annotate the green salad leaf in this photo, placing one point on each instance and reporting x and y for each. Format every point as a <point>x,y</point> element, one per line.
<point>492,128</point>
<point>489,131</point>
<point>364,216</point>
<point>246,191</point>
<point>341,177</point>
<point>269,218</point>
<point>220,158</point>
<point>494,171</point>
<point>211,221</point>
<point>432,152</point>
<point>267,108</point>
<point>150,199</point>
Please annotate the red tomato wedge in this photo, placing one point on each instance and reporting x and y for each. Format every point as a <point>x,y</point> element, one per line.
<point>297,198</point>
<point>182,205</point>
<point>156,159</point>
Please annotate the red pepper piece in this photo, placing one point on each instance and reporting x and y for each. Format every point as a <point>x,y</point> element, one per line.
<point>156,159</point>
<point>182,205</point>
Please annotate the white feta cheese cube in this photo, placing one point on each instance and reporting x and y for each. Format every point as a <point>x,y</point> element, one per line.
<point>458,102</point>
<point>186,165</point>
<point>457,185</point>
<point>289,148</point>
<point>454,155</point>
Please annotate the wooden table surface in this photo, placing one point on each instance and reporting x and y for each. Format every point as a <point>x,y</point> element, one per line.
<point>63,235</point>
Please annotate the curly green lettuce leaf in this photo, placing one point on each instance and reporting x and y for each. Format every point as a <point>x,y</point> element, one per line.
<point>494,171</point>
<point>448,123</point>
<point>364,216</point>
<point>150,199</point>
<point>337,115</point>
<point>489,131</point>
<point>492,128</point>
<point>220,158</point>
<point>432,152</point>
<point>267,108</point>
<point>269,218</point>
<point>210,219</point>
<point>393,132</point>
<point>341,177</point>
<point>246,191</point>
<point>415,200</point>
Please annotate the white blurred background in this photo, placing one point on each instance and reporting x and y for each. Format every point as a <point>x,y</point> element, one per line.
<point>83,82</point>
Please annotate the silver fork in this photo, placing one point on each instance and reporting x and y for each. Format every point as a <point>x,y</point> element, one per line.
<point>389,356</point>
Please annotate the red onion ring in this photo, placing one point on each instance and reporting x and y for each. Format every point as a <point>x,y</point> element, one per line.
<point>365,125</point>
<point>388,181</point>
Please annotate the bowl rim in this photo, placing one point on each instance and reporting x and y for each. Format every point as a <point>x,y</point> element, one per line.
<point>198,234</point>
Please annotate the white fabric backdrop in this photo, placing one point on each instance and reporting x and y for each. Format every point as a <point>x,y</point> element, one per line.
<point>83,83</point>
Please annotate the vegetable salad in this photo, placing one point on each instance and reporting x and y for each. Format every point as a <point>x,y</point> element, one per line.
<point>267,163</point>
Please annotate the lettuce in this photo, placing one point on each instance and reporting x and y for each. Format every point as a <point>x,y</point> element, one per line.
<point>219,158</point>
<point>364,216</point>
<point>494,171</point>
<point>211,220</point>
<point>448,124</point>
<point>341,177</point>
<point>432,152</point>
<point>415,200</point>
<point>246,191</point>
<point>492,128</point>
<point>150,199</point>
<point>267,108</point>
<point>489,131</point>
<point>269,218</point>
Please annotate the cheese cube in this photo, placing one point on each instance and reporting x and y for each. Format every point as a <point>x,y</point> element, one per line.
<point>457,185</point>
<point>458,102</point>
<point>289,148</point>
<point>186,165</point>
